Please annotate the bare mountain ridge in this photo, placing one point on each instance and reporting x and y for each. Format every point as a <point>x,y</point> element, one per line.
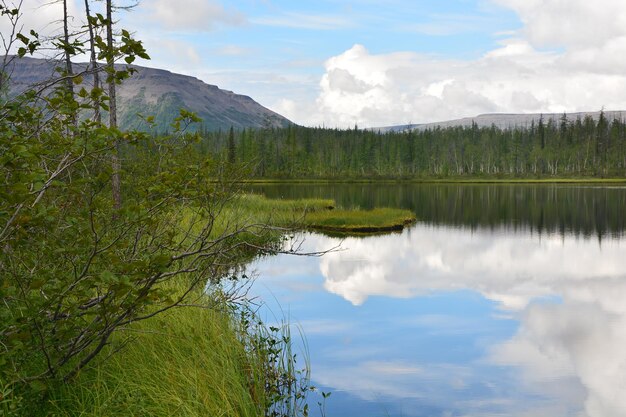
<point>161,93</point>
<point>504,120</point>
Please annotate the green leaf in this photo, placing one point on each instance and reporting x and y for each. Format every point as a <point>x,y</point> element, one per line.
<point>160,261</point>
<point>107,277</point>
<point>22,38</point>
<point>37,386</point>
<point>37,283</point>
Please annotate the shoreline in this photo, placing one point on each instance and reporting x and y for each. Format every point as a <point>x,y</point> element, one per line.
<point>598,181</point>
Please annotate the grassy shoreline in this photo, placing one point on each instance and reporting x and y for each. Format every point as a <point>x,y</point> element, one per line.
<point>270,181</point>
<point>360,222</point>
<point>322,215</point>
<point>208,360</point>
<point>187,361</point>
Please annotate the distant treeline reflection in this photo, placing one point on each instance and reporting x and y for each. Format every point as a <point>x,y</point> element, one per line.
<point>598,211</point>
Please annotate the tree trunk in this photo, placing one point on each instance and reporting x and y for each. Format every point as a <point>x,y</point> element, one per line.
<point>115,161</point>
<point>94,65</point>
<point>68,60</point>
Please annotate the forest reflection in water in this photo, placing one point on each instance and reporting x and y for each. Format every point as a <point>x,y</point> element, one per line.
<point>587,210</point>
<point>517,314</point>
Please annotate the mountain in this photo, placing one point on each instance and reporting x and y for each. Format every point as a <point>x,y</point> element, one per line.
<point>503,120</point>
<point>161,93</point>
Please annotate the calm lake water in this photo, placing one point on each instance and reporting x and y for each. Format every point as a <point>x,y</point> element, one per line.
<point>501,301</point>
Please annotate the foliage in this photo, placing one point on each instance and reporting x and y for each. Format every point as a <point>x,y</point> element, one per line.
<point>78,273</point>
<point>570,148</point>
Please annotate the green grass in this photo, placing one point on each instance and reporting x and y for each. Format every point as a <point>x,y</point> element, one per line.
<point>277,211</point>
<point>205,361</point>
<point>360,221</point>
<point>185,362</point>
<point>254,209</point>
<point>319,214</point>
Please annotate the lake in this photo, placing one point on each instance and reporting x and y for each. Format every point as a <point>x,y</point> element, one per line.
<point>502,300</point>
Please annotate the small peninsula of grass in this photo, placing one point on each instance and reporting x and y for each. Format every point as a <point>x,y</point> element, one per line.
<point>360,221</point>
<point>321,215</point>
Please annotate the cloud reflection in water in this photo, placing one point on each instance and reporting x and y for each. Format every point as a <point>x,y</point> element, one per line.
<point>569,294</point>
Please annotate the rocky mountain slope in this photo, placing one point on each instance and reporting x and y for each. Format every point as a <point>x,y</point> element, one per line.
<point>160,93</point>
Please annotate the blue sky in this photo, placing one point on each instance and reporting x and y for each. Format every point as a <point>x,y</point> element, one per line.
<point>341,62</point>
<point>263,35</point>
<point>275,50</point>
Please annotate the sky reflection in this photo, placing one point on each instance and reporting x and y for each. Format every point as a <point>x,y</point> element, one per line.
<point>445,321</point>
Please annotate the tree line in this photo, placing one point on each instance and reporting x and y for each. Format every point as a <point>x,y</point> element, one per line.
<point>565,148</point>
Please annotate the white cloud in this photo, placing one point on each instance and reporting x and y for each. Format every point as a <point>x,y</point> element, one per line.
<point>234,50</point>
<point>370,380</point>
<point>174,49</point>
<point>288,94</point>
<point>305,21</point>
<point>450,24</point>
<point>570,23</point>
<point>374,90</point>
<point>44,17</point>
<point>194,15</point>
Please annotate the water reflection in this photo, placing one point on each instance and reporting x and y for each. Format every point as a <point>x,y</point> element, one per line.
<point>448,319</point>
<point>551,208</point>
<point>511,269</point>
<point>580,336</point>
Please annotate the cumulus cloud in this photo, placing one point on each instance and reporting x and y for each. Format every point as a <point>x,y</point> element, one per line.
<point>198,15</point>
<point>571,23</point>
<point>305,21</point>
<point>44,17</point>
<point>373,90</point>
<point>583,71</point>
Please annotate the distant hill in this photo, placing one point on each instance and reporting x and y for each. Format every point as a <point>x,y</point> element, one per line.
<point>503,120</point>
<point>161,94</point>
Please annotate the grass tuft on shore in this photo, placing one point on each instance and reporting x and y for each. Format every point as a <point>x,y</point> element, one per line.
<point>321,215</point>
<point>280,212</point>
<point>360,221</point>
<point>185,362</point>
